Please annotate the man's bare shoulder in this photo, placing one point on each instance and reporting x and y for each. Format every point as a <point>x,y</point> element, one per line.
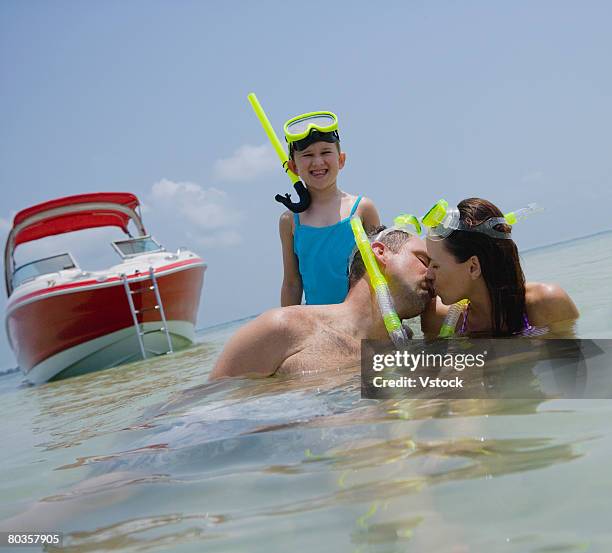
<point>261,346</point>
<point>289,322</point>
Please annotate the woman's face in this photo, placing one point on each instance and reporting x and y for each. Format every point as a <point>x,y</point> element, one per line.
<point>450,278</point>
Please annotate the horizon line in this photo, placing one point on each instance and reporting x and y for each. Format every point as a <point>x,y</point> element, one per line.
<point>566,241</point>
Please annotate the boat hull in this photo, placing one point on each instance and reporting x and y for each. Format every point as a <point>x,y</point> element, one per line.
<point>87,326</point>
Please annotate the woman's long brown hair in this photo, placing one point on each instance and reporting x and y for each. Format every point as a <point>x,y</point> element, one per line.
<point>499,263</point>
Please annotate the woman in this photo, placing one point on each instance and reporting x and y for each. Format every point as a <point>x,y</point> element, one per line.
<point>473,257</point>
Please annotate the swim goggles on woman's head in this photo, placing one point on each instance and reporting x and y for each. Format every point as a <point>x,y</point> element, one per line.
<point>440,221</point>
<point>306,129</point>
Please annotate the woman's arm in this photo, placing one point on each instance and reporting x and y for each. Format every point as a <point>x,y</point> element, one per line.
<point>291,289</point>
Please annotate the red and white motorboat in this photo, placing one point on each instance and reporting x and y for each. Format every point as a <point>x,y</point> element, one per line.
<point>62,320</point>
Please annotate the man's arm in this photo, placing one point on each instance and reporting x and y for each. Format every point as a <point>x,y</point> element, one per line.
<point>291,290</point>
<point>258,348</point>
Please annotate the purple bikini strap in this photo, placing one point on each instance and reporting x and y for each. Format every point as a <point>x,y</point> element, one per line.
<point>464,322</point>
<point>526,323</point>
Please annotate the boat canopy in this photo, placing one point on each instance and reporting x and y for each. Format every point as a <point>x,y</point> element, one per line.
<point>69,214</point>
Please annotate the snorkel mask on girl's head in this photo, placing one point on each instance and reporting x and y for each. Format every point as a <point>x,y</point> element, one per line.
<point>306,129</point>
<point>440,221</point>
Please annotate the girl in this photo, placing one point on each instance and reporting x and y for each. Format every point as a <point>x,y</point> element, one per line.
<point>318,242</point>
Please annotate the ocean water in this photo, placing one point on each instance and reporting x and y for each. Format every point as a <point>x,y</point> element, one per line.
<point>150,457</point>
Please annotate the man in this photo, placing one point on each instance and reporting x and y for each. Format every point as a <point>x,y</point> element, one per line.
<point>304,337</point>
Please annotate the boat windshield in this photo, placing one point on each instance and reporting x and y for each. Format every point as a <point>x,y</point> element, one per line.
<point>44,266</point>
<point>136,246</point>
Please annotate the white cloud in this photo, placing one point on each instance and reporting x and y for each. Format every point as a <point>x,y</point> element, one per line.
<point>193,216</point>
<point>205,208</point>
<point>246,163</point>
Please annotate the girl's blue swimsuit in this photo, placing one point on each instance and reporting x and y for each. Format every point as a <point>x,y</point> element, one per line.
<point>323,254</point>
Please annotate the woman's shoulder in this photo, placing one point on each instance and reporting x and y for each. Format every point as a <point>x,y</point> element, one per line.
<point>541,293</point>
<point>548,303</point>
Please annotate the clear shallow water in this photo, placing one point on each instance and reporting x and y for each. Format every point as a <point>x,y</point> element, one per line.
<point>149,457</point>
<point>584,268</point>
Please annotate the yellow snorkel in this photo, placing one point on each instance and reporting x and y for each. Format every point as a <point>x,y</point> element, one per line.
<point>447,330</point>
<point>302,191</point>
<point>394,327</point>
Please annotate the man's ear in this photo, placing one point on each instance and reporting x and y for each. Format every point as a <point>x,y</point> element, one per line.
<point>380,253</point>
<point>474,267</point>
<point>292,166</point>
<point>341,159</point>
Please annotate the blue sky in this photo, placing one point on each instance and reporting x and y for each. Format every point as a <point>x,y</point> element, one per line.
<point>505,100</point>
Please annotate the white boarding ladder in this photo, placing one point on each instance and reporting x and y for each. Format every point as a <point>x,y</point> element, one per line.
<point>159,306</point>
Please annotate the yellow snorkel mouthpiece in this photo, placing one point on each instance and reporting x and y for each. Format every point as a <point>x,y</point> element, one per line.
<point>302,191</point>
<point>392,322</point>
